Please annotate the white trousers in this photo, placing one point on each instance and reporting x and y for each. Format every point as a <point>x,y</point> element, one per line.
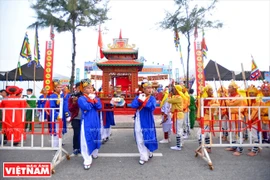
<point>55,138</point>
<point>206,134</point>
<point>186,124</point>
<point>179,127</point>
<point>105,132</point>
<point>225,125</point>
<point>235,136</point>
<point>84,149</point>
<point>254,133</point>
<point>143,150</point>
<point>167,128</point>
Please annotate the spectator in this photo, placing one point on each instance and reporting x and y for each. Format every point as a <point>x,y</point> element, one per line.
<point>30,112</point>
<point>76,115</point>
<point>192,108</point>
<point>66,114</point>
<point>41,104</point>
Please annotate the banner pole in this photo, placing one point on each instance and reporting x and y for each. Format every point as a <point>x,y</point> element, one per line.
<point>16,71</point>
<point>34,83</point>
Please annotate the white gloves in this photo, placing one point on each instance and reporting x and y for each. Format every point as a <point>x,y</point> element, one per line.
<point>142,97</point>
<point>92,96</point>
<point>68,119</point>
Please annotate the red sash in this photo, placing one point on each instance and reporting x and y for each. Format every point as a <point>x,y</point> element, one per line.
<point>144,103</point>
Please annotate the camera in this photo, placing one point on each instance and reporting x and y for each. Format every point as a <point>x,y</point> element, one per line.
<point>76,94</point>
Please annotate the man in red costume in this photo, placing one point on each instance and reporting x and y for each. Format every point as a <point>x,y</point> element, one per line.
<point>13,125</point>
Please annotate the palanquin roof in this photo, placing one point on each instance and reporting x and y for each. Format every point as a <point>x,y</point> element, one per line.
<point>120,63</point>
<point>120,51</point>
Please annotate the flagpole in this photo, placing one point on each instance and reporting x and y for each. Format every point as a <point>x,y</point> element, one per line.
<point>16,71</point>
<point>36,57</point>
<point>95,69</point>
<point>182,62</point>
<point>99,31</point>
<point>34,88</point>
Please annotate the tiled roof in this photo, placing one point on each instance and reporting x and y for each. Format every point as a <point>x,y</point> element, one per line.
<point>120,63</point>
<point>120,51</point>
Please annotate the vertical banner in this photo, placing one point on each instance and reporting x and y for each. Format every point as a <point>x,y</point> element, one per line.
<point>191,81</point>
<point>48,66</point>
<point>199,68</point>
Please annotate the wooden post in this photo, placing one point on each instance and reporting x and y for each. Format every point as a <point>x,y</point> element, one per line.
<point>34,83</point>
<point>16,72</point>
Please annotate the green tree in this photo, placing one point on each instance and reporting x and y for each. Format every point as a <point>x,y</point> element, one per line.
<point>70,15</point>
<point>186,18</point>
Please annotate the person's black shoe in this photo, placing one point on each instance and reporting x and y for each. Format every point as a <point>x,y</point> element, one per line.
<point>76,151</point>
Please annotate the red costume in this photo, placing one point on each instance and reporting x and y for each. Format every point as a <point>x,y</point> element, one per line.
<point>16,126</point>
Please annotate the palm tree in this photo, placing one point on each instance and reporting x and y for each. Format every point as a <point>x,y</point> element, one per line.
<point>70,15</point>
<point>186,19</point>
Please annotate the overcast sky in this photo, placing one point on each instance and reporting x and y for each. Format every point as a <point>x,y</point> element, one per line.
<point>245,32</point>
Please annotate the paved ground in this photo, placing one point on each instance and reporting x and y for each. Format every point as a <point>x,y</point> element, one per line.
<point>167,164</point>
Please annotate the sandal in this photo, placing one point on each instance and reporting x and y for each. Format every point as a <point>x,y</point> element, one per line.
<point>141,162</point>
<point>87,167</point>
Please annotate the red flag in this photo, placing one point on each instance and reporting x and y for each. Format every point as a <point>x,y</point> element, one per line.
<point>120,34</point>
<point>204,46</point>
<point>100,43</point>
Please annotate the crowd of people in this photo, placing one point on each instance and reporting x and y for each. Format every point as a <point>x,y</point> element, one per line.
<point>238,111</point>
<point>18,113</point>
<point>92,124</point>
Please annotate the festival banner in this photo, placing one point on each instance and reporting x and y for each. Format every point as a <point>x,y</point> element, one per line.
<point>204,46</point>
<point>88,66</point>
<point>255,72</point>
<point>48,66</point>
<point>96,77</point>
<point>25,50</point>
<point>199,68</point>
<point>100,43</point>
<point>140,78</point>
<point>64,82</point>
